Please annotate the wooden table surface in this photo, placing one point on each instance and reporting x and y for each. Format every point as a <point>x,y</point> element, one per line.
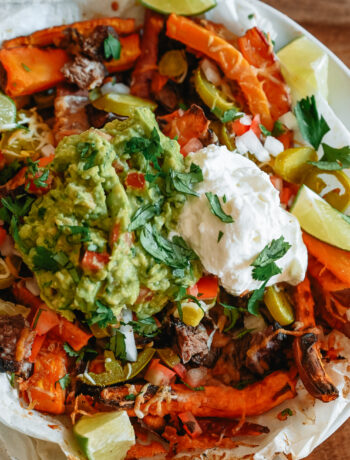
<point>329,21</point>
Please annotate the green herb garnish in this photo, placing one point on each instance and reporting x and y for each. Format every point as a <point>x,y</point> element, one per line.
<point>333,159</point>
<point>103,316</point>
<point>144,214</point>
<point>64,381</point>
<point>111,47</point>
<point>278,129</point>
<point>312,126</point>
<point>117,345</point>
<point>87,152</point>
<point>216,208</point>
<point>145,326</point>
<point>220,235</point>
<point>183,182</point>
<point>264,131</point>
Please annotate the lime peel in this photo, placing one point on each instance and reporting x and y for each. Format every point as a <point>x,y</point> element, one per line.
<point>182,7</point>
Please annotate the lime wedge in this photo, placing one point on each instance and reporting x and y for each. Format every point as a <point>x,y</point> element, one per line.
<point>105,436</point>
<point>7,113</point>
<point>320,219</point>
<point>183,7</point>
<point>122,104</point>
<point>305,68</point>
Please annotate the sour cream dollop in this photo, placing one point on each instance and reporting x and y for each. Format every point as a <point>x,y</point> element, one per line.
<point>254,204</point>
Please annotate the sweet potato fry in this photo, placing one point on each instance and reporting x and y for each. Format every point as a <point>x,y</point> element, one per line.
<point>31,69</point>
<point>53,35</point>
<point>145,451</point>
<point>334,259</point>
<point>213,401</point>
<point>147,62</point>
<point>259,53</point>
<point>231,61</point>
<point>185,126</point>
<point>306,348</point>
<point>129,53</point>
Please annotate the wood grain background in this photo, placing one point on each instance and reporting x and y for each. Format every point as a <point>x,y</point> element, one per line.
<point>329,21</point>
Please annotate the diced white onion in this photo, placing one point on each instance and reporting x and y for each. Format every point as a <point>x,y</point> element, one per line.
<point>245,120</point>
<point>126,315</point>
<point>273,146</point>
<point>289,120</point>
<point>196,376</point>
<point>130,345</point>
<point>48,150</point>
<point>118,88</point>
<point>249,142</point>
<point>32,286</point>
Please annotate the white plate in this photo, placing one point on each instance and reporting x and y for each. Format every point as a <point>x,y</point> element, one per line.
<point>17,446</point>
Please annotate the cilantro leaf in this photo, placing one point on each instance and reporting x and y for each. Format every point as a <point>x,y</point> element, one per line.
<point>117,345</point>
<point>264,131</point>
<point>102,316</point>
<point>70,352</point>
<point>183,182</point>
<point>175,253</point>
<point>44,259</point>
<point>254,300</point>
<point>87,152</point>
<point>312,126</point>
<point>130,397</point>
<point>144,214</point>
<point>81,230</point>
<point>333,159</point>
<point>19,206</point>
<point>264,263</point>
<point>146,327</point>
<point>228,115</point>
<point>216,209</point>
<point>64,381</point>
<point>111,47</point>
<point>150,148</point>
<point>25,67</point>
<point>278,129</point>
<point>78,354</point>
<point>220,235</point>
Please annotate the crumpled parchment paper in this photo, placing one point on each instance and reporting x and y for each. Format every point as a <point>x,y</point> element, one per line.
<point>29,435</point>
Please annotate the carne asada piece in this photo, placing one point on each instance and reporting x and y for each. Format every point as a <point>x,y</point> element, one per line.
<point>70,113</point>
<point>84,73</point>
<point>192,341</point>
<point>16,341</point>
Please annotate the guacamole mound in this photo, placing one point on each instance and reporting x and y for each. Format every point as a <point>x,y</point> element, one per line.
<point>86,216</point>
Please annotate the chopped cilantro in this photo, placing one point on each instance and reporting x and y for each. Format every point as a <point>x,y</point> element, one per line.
<point>25,67</point>
<point>12,379</point>
<point>183,106</point>
<point>265,267</point>
<point>117,345</point>
<point>216,208</point>
<point>41,212</point>
<point>251,16</point>
<point>228,115</point>
<point>150,148</point>
<point>287,412</point>
<point>183,182</point>
<point>220,235</point>
<point>37,316</point>
<point>145,326</point>
<point>144,214</point>
<point>103,316</point>
<point>44,259</point>
<point>232,314</point>
<point>264,131</point>
<point>130,397</point>
<point>312,126</point>
<point>333,159</point>
<point>78,354</point>
<point>175,253</point>
<point>64,381</point>
<point>111,47</point>
<point>81,230</point>
<point>87,152</point>
<point>278,129</point>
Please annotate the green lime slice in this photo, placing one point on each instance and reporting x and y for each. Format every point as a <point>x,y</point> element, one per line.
<point>305,67</point>
<point>122,104</point>
<point>320,219</point>
<point>105,436</point>
<point>8,113</point>
<point>183,7</point>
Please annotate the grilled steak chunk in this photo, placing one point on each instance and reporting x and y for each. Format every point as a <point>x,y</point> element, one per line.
<point>93,46</point>
<point>16,341</point>
<point>192,342</point>
<point>84,73</point>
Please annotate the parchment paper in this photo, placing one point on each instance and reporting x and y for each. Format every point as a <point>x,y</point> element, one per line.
<point>28,435</point>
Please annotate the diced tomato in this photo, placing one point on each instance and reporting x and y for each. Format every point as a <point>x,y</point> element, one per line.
<point>3,235</point>
<point>287,192</point>
<point>135,180</point>
<point>157,374</point>
<point>239,128</point>
<point>32,188</point>
<point>119,168</point>
<point>114,235</point>
<point>206,288</point>
<point>44,320</point>
<point>25,297</point>
<point>36,347</point>
<point>71,333</point>
<point>190,424</point>
<point>145,295</point>
<point>43,388</point>
<point>94,261</point>
<point>180,370</point>
<point>158,82</point>
<point>44,161</point>
<point>277,182</point>
<point>287,139</point>
<point>193,145</point>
